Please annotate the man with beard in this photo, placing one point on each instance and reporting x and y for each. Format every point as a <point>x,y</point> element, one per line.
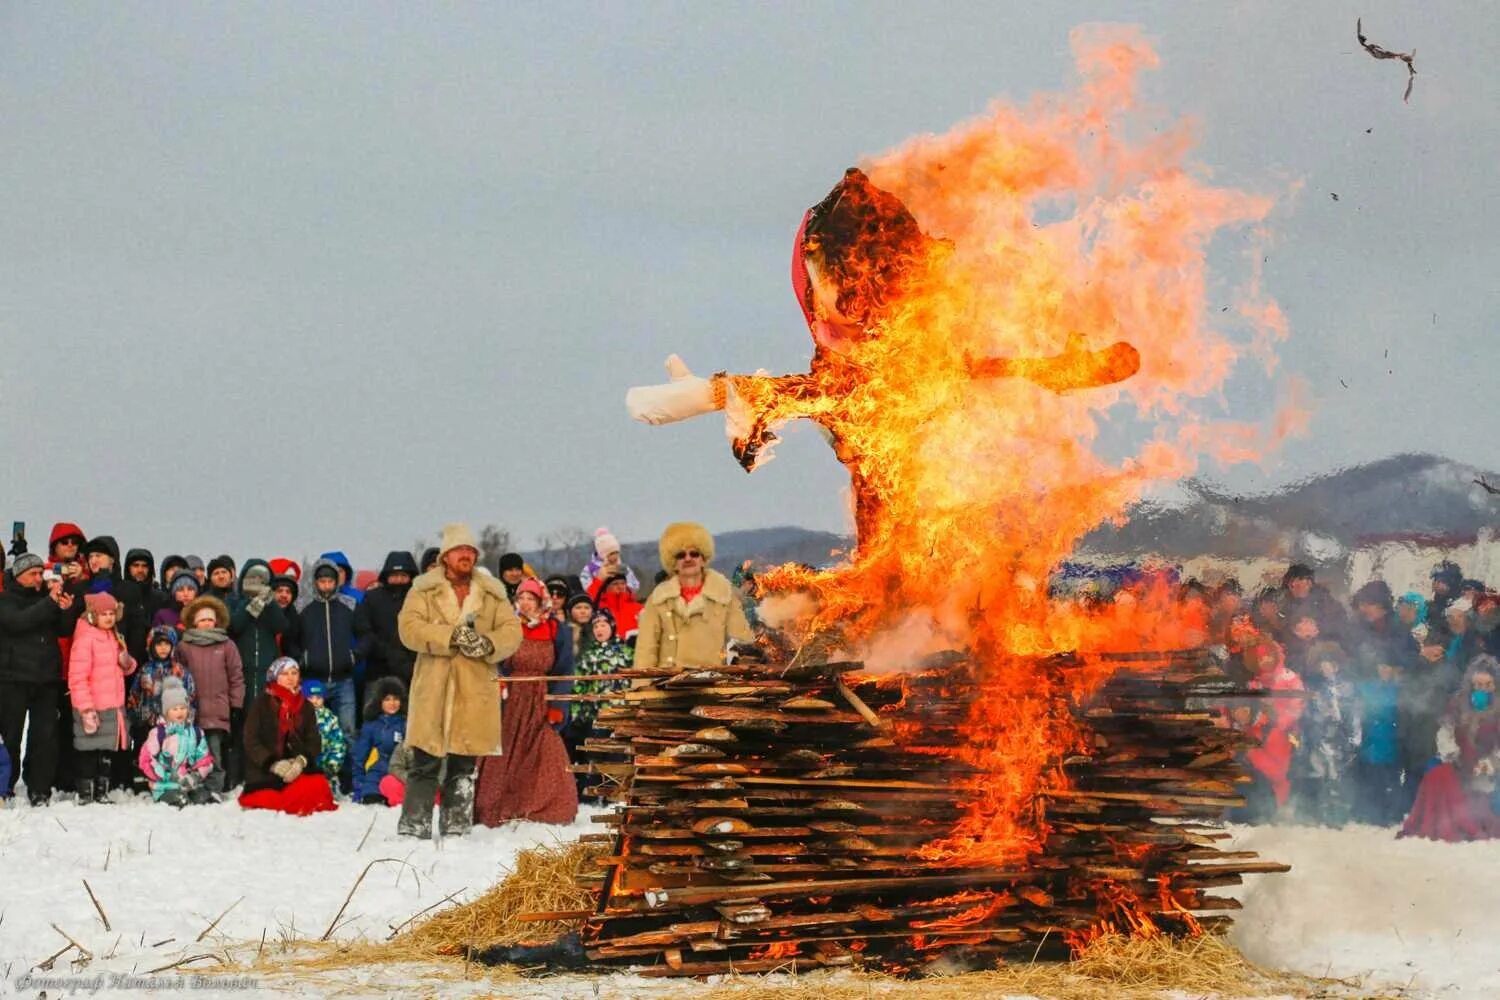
<point>460,623</point>
<point>142,599</point>
<point>375,622</point>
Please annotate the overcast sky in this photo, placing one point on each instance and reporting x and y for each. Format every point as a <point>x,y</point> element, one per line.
<point>281,277</point>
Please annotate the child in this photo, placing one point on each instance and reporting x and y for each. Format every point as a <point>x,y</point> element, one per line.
<point>174,757</point>
<point>1377,789</point>
<point>207,653</point>
<point>335,745</point>
<point>379,738</point>
<point>1330,737</point>
<point>184,591</point>
<point>603,653</point>
<point>143,704</point>
<point>97,667</point>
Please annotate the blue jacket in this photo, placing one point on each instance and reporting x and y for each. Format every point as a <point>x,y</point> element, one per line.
<point>377,741</point>
<point>1378,702</point>
<point>4,771</point>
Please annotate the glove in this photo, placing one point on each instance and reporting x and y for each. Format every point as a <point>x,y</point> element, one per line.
<point>472,644</point>
<point>258,603</point>
<point>297,765</point>
<point>283,770</point>
<point>125,660</point>
<point>90,721</point>
<point>687,395</point>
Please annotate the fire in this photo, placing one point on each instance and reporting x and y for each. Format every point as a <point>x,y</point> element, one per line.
<point>775,949</point>
<point>985,304</point>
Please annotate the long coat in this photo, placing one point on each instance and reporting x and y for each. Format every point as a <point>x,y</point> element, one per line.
<point>680,636</point>
<point>264,746</point>
<point>455,700</point>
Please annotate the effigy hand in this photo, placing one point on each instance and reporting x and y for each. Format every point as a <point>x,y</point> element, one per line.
<point>685,396</point>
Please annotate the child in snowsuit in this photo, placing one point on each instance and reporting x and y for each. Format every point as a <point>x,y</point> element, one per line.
<point>335,744</point>
<point>1378,797</point>
<point>380,737</point>
<point>174,756</point>
<point>1330,738</point>
<point>143,703</point>
<point>97,667</point>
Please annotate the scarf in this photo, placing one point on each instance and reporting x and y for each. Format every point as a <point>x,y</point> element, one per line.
<point>544,628</point>
<point>288,712</point>
<point>205,636</point>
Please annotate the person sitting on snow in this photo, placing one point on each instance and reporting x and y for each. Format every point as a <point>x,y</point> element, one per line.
<point>335,743</point>
<point>174,756</point>
<point>379,738</point>
<point>1458,798</point>
<point>282,748</point>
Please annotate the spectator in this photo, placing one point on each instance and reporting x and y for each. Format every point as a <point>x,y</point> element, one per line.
<point>1275,723</point>
<point>221,580</point>
<point>427,562</point>
<point>393,785</point>
<point>1308,613</point>
<point>1267,613</point>
<point>184,590</point>
<point>174,757</point>
<point>578,612</point>
<point>1425,691</point>
<point>1463,640</point>
<point>142,599</point>
<point>558,592</point>
<point>606,556</point>
<point>5,772</point>
<point>143,703</point>
<point>328,642</point>
<point>461,625</point>
<point>282,748</point>
<point>1447,578</point>
<point>335,745</point>
<point>170,567</point>
<point>284,591</point>
<point>32,618</point>
<point>375,622</point>
<point>351,594</point>
<point>256,618</point>
<point>614,596</point>
<point>379,737</point>
<point>197,568</point>
<point>690,619</point>
<point>512,572</point>
<point>1228,603</point>
<point>98,664</point>
<point>286,567</point>
<point>207,653</point>
<point>1377,778</point>
<point>1457,798</point>
<point>602,653</point>
<point>1411,611</point>
<point>529,779</point>
<point>1377,628</point>
<point>1330,739</point>
<point>64,553</point>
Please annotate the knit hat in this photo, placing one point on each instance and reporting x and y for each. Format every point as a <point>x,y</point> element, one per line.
<point>555,583</point>
<point>605,542</point>
<point>325,568</point>
<point>684,535</point>
<point>576,600</point>
<point>511,560</point>
<point>173,693</point>
<point>25,562</point>
<point>220,562</point>
<point>286,567</point>
<point>314,688</point>
<point>279,666</point>
<point>531,585</point>
<point>457,536</point>
<point>1377,593</point>
<point>184,578</point>
<point>288,581</point>
<point>99,603</point>
<point>194,563</point>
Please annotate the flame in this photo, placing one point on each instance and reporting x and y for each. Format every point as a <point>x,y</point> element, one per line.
<point>775,949</point>
<point>984,303</point>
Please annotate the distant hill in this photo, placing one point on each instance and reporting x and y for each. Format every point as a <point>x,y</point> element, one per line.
<point>1401,495</point>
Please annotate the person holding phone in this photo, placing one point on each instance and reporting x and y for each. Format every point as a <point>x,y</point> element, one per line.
<point>33,615</point>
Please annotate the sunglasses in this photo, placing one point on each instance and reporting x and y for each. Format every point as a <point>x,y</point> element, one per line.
<point>688,554</point>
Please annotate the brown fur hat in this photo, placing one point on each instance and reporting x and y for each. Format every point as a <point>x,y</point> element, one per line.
<point>221,612</point>
<point>684,535</point>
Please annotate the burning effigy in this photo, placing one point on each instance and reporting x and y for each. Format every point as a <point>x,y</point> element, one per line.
<point>928,755</point>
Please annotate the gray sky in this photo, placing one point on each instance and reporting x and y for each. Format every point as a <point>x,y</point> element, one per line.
<point>281,277</point>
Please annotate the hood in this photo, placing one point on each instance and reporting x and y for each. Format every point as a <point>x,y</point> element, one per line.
<point>381,688</point>
<point>341,561</point>
<point>312,578</point>
<point>137,554</point>
<point>398,562</point>
<point>169,566</point>
<point>160,632</point>
<point>62,530</point>
<point>287,580</point>
<point>252,563</point>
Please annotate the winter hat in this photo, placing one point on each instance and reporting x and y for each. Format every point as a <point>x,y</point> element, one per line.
<point>162,633</point>
<point>511,560</point>
<point>325,568</point>
<point>1461,606</point>
<point>99,603</point>
<point>429,558</point>
<point>288,581</point>
<point>170,566</point>
<point>531,585</point>
<point>455,536</point>
<point>25,562</point>
<point>220,562</point>
<point>605,542</point>
<point>684,535</point>
<point>559,582</point>
<point>279,666</point>
<point>314,689</point>
<point>576,600</point>
<point>1449,573</point>
<point>173,693</point>
<point>194,563</point>
<point>605,614</point>
<point>185,580</point>
<point>1376,592</point>
<point>286,567</point>
<point>1298,571</point>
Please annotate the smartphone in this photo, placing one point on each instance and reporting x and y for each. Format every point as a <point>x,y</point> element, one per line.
<point>17,530</point>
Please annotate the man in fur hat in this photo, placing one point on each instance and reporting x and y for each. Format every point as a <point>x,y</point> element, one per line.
<point>691,616</point>
<point>460,623</point>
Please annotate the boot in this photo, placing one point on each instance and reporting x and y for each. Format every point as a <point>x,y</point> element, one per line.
<point>414,823</point>
<point>456,814</point>
<point>85,791</point>
<point>101,790</point>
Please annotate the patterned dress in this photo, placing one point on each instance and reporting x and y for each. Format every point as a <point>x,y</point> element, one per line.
<point>530,779</point>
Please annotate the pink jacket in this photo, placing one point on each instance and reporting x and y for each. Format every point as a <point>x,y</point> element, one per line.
<point>96,672</point>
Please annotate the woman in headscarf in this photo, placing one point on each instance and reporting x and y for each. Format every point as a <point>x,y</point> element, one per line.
<point>1457,799</point>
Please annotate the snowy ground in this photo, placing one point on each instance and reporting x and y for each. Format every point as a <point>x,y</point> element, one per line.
<point>1357,903</point>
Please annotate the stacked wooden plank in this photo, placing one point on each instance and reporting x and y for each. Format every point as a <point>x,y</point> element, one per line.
<point>775,815</point>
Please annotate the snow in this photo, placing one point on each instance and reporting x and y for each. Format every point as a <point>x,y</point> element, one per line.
<point>1357,903</point>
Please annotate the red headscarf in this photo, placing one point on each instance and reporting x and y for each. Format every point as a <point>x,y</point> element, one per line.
<point>288,711</point>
